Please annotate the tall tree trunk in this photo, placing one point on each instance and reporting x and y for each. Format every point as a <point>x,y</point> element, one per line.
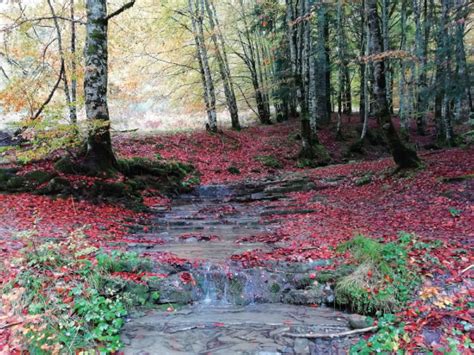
<point>362,66</point>
<point>443,72</point>
<point>73,109</point>
<point>99,153</point>
<point>462,101</point>
<point>402,155</point>
<point>197,14</point>
<point>324,17</point>
<point>321,72</point>
<point>420,67</point>
<point>386,48</point>
<point>365,75</point>
<point>344,91</point>
<point>307,137</point>
<point>292,44</point>
<point>224,68</point>
<point>72,115</point>
<point>250,59</point>
<point>404,111</point>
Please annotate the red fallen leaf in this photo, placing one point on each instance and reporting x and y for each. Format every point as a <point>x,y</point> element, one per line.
<point>187,278</point>
<point>67,299</point>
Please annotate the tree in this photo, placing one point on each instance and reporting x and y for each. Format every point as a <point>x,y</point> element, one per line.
<point>224,68</point>
<point>196,11</point>
<point>403,156</point>
<point>99,154</point>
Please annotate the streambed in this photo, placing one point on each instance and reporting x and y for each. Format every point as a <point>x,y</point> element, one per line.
<point>224,306</point>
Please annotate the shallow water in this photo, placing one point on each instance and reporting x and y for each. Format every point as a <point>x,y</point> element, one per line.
<point>203,227</point>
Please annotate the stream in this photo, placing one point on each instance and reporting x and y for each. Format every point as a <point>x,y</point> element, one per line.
<point>225,307</point>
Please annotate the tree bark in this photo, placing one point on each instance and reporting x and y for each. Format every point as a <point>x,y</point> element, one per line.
<point>197,14</point>
<point>73,109</point>
<point>72,115</point>
<point>99,155</point>
<point>224,68</point>
<point>402,155</point>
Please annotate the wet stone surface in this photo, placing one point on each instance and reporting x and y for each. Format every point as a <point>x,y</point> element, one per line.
<point>228,308</point>
<point>255,329</point>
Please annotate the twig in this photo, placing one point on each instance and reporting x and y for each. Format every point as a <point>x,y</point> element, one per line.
<point>51,94</point>
<point>122,9</point>
<point>5,326</point>
<point>331,335</point>
<point>467,269</point>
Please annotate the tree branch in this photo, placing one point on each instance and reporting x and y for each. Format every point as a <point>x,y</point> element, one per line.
<point>331,335</point>
<point>122,9</point>
<point>51,94</point>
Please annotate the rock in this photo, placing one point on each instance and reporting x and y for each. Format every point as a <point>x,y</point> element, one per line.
<point>56,186</point>
<point>67,166</point>
<point>15,183</point>
<point>6,139</point>
<point>357,321</point>
<point>313,295</point>
<point>301,346</point>
<point>39,177</point>
<point>173,290</point>
<point>364,180</point>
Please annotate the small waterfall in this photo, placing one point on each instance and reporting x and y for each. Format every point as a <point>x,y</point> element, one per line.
<point>249,290</point>
<point>209,287</point>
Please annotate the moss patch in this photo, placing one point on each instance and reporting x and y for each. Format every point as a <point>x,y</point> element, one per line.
<point>269,161</point>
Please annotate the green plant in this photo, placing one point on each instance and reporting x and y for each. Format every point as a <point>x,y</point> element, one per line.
<point>455,212</point>
<point>104,316</point>
<point>269,161</point>
<point>381,281</point>
<point>119,261</point>
<point>62,293</point>
<point>386,340</point>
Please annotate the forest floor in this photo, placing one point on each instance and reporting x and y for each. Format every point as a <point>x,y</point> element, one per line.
<point>359,194</point>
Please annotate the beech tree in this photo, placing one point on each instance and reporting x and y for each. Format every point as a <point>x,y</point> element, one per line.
<point>404,157</point>
<point>99,154</point>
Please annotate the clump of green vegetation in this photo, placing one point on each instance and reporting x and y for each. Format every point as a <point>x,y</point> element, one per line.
<point>233,170</point>
<point>269,161</point>
<point>321,158</point>
<point>381,281</point>
<point>73,296</point>
<point>119,261</point>
<point>386,340</point>
<point>364,180</point>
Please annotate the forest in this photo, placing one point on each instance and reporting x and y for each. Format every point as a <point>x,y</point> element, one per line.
<point>236,177</point>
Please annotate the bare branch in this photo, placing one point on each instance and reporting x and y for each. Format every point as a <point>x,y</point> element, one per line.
<point>122,9</point>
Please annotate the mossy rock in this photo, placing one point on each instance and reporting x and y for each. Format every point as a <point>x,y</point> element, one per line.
<point>141,166</point>
<point>118,190</point>
<point>320,155</point>
<point>269,161</point>
<point>6,174</point>
<point>11,182</point>
<point>39,177</point>
<point>133,294</point>
<point>313,295</point>
<point>16,184</point>
<point>325,276</point>
<point>364,180</point>
<point>56,186</point>
<point>67,166</point>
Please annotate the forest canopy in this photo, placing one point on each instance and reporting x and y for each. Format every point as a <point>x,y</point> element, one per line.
<point>239,59</point>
